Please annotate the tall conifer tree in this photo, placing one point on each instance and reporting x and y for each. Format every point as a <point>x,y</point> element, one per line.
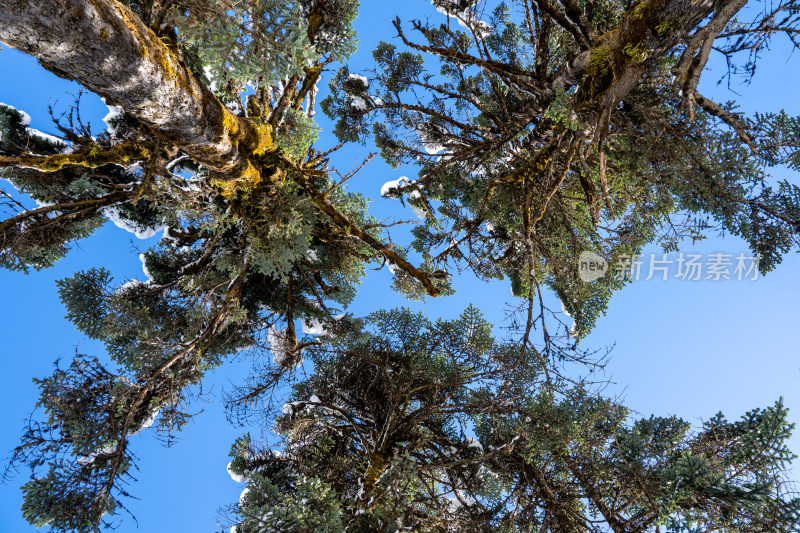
<point>547,129</point>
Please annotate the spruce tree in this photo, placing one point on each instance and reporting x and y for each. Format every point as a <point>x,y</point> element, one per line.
<point>546,130</point>
<point>415,425</point>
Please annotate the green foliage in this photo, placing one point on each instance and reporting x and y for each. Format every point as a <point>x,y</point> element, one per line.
<point>84,295</point>
<point>40,240</point>
<point>309,505</point>
<point>381,432</point>
<point>301,132</point>
<point>87,462</point>
<point>399,422</point>
<point>266,39</point>
<point>518,175</point>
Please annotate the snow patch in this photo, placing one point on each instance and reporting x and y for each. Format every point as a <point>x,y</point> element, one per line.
<point>26,118</point>
<point>105,450</point>
<point>133,169</point>
<point>433,148</point>
<point>210,75</point>
<point>243,495</point>
<point>143,259</point>
<point>358,102</point>
<point>113,113</point>
<point>238,478</point>
<point>125,287</point>
<point>279,344</point>
<point>313,326</point>
<point>46,137</point>
<point>364,81</point>
<point>114,214</point>
<point>472,443</point>
<point>417,210</point>
<point>464,16</point>
<point>42,203</point>
<point>391,189</point>
<point>288,409</point>
<point>146,423</point>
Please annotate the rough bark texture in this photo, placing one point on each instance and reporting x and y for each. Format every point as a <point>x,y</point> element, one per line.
<point>105,47</point>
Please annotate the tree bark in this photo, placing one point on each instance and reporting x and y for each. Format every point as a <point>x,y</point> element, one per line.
<point>108,49</point>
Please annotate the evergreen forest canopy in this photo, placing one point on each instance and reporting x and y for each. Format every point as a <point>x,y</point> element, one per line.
<point>540,129</point>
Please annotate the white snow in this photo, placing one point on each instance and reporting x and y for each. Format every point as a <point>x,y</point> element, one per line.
<point>417,210</point>
<point>133,169</point>
<point>433,148</point>
<point>314,399</point>
<point>168,237</point>
<point>26,118</point>
<point>46,137</point>
<point>288,408</point>
<point>243,495</point>
<point>313,326</point>
<point>358,102</point>
<point>105,450</point>
<point>472,443</point>
<point>146,423</point>
<point>114,215</point>
<point>129,285</point>
<point>364,81</point>
<point>455,503</point>
<point>238,478</point>
<point>428,134</point>
<point>42,203</point>
<point>464,18</point>
<point>391,189</point>
<point>144,267</point>
<point>175,161</point>
<point>113,112</point>
<point>210,75</point>
<point>279,344</point>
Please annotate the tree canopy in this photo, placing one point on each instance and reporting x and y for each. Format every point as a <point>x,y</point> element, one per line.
<point>540,129</point>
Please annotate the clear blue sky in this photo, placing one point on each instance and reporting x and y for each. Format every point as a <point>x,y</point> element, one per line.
<point>685,348</point>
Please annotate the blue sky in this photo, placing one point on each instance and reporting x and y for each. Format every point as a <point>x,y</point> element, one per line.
<point>689,348</point>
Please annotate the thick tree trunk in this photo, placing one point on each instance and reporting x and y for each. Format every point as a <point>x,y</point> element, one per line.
<point>104,46</point>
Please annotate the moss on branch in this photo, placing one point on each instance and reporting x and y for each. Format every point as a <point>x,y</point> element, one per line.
<point>89,157</point>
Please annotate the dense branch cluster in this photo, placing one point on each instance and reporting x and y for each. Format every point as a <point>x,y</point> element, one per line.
<point>541,129</point>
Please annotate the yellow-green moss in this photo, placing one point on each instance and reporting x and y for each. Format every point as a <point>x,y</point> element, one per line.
<point>246,182</point>
<point>92,157</point>
<point>665,27</point>
<point>637,53</point>
<point>600,60</point>
<point>264,141</point>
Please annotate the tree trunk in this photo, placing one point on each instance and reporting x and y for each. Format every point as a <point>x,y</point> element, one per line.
<point>105,47</point>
